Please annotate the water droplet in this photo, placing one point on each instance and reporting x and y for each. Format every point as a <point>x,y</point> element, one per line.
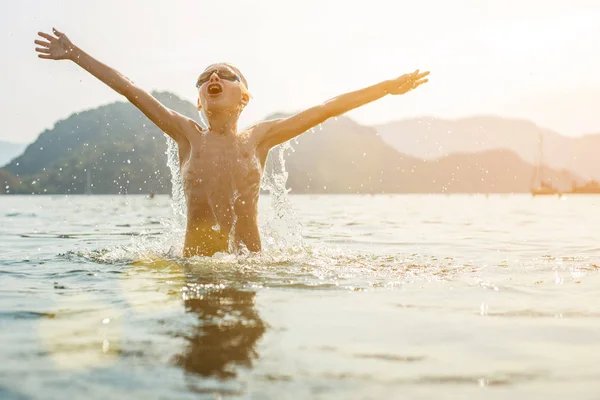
<point>483,309</point>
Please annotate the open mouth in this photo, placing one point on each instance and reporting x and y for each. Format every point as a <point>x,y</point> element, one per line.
<point>214,88</point>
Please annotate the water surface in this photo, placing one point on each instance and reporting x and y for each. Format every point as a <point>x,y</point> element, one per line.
<point>412,296</point>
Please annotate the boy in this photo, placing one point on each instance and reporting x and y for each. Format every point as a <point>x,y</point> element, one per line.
<point>221,167</point>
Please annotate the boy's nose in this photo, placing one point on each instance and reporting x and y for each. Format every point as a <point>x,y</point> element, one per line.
<point>214,77</point>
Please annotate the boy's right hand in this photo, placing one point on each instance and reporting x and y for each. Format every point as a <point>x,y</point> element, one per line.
<point>57,47</point>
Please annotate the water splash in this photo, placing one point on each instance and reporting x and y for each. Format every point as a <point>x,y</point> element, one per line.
<point>281,230</point>
<point>174,228</point>
<point>232,246</point>
<point>178,204</point>
<point>203,119</point>
<point>314,268</point>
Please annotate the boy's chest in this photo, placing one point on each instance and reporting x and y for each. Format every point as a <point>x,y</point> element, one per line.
<point>221,160</point>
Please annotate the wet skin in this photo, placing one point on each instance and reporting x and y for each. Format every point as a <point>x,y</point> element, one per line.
<point>221,177</point>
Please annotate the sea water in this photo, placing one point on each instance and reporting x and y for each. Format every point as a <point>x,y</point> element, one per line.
<point>384,296</point>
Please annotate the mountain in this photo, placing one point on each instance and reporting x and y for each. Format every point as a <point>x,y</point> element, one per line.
<point>116,149</point>
<point>120,148</point>
<point>10,183</point>
<point>345,157</point>
<point>430,138</point>
<point>9,150</point>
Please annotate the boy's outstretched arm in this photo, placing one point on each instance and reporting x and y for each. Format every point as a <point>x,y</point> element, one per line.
<point>59,47</point>
<point>279,131</point>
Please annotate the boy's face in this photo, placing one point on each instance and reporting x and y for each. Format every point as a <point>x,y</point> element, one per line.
<point>219,89</point>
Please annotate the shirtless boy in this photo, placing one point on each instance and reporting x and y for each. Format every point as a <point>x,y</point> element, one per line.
<point>221,167</point>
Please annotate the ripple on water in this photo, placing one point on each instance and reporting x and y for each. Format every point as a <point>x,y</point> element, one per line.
<point>391,357</point>
<point>492,379</point>
<point>18,214</point>
<point>25,315</point>
<point>16,274</point>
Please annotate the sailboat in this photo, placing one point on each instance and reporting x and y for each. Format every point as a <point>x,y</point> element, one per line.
<point>591,187</point>
<point>539,187</point>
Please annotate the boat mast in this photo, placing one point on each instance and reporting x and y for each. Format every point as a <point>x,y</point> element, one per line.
<point>538,163</point>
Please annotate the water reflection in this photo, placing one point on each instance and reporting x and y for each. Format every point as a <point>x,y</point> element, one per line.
<point>228,331</point>
<point>227,328</point>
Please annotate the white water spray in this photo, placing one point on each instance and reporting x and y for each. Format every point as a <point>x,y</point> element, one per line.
<point>175,227</point>
<point>281,231</point>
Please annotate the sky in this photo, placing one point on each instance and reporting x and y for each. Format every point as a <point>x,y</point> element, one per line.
<point>532,59</point>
